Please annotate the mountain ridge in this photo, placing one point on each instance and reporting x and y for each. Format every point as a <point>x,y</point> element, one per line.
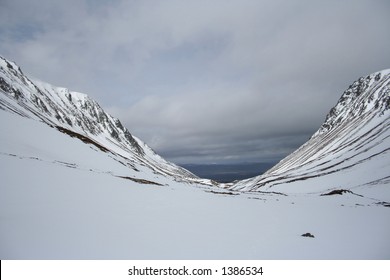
<point>62,197</point>
<point>355,131</point>
<point>79,116</point>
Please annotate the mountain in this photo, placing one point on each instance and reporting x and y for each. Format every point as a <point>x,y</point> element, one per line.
<point>351,149</point>
<point>225,173</point>
<point>75,184</point>
<point>78,116</point>
<point>352,141</point>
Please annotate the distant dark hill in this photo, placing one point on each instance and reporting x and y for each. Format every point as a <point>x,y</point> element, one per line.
<point>225,173</point>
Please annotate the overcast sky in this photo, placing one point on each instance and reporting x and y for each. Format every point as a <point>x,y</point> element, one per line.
<point>203,81</point>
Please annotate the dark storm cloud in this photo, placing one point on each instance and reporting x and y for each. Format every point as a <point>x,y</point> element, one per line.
<point>203,80</point>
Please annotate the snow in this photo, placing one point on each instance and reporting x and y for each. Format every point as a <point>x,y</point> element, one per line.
<point>61,198</point>
<point>76,112</point>
<point>3,64</point>
<point>50,210</point>
<point>351,150</point>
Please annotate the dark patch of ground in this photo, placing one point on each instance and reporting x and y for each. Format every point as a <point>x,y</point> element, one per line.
<point>82,138</point>
<point>308,234</point>
<point>383,203</point>
<point>225,193</point>
<point>337,192</point>
<point>140,181</point>
<point>340,192</point>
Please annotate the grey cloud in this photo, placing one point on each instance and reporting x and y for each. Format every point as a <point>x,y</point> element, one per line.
<point>203,80</point>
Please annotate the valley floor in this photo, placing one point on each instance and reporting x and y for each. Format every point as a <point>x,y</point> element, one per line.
<point>52,211</point>
<point>63,199</point>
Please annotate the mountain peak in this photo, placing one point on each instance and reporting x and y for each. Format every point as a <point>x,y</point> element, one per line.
<point>353,140</point>
<point>10,65</point>
<point>367,95</point>
<point>77,114</point>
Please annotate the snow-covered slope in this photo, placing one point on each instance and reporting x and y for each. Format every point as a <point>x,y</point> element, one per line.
<point>109,196</point>
<point>79,116</point>
<point>62,199</point>
<point>351,150</point>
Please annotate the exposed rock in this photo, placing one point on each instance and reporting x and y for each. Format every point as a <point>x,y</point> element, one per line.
<point>308,234</point>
